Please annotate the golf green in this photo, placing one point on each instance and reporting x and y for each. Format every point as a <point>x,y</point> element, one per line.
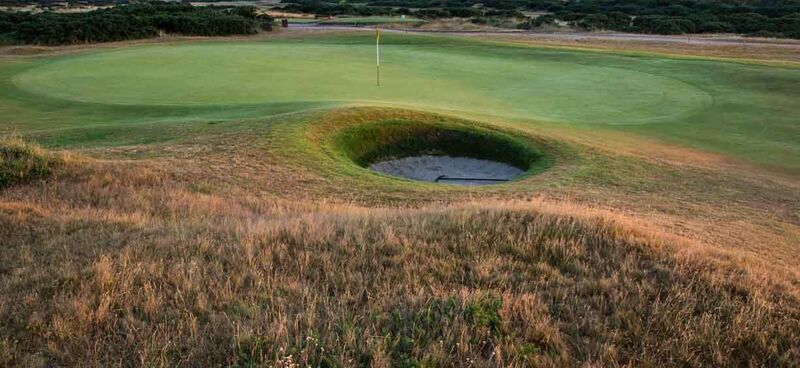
<point>706,104</point>
<point>257,73</point>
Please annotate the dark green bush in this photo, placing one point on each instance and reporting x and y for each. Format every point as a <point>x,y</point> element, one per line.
<point>128,22</point>
<point>640,16</point>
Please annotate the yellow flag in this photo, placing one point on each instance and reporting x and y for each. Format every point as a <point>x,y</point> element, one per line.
<point>377,34</point>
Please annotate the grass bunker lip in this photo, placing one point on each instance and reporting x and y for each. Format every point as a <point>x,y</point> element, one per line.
<point>451,151</point>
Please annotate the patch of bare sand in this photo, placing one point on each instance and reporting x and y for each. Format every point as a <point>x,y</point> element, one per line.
<point>450,170</point>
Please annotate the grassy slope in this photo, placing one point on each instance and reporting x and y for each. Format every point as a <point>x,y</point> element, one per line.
<point>709,105</point>
<point>229,249</point>
<point>195,237</point>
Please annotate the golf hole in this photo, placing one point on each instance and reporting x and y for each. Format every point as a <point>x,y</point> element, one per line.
<point>443,153</point>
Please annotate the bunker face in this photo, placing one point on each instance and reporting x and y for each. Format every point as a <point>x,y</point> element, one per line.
<point>448,170</point>
<point>438,151</point>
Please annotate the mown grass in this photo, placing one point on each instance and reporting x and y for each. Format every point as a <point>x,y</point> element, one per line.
<point>710,105</point>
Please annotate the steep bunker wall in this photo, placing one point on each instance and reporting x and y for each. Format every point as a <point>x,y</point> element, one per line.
<point>440,152</point>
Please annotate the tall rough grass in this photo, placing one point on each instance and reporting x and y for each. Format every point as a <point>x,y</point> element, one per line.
<point>121,264</point>
<point>21,161</point>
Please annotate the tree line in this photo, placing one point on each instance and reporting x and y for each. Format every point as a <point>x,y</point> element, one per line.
<point>129,22</point>
<point>324,8</point>
<point>761,18</point>
<point>778,18</point>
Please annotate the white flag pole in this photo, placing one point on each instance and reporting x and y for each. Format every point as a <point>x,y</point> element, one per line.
<point>378,56</point>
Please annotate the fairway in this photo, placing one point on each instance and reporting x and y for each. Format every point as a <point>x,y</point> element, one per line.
<point>703,104</point>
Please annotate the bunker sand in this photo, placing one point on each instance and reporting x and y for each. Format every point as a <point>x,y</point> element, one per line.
<point>446,169</point>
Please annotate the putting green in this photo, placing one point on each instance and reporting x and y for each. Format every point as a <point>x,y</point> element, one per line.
<point>149,93</point>
<point>261,73</point>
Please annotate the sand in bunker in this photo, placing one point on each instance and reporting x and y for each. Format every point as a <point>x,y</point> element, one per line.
<point>430,168</point>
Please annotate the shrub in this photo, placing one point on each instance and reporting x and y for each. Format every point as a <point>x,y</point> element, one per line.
<point>21,161</point>
<point>129,22</point>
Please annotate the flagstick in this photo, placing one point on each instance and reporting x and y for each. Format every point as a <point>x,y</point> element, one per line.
<point>378,56</point>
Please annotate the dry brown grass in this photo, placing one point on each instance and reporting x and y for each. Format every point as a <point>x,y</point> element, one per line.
<point>452,24</point>
<point>129,268</point>
<point>760,50</point>
<point>782,52</point>
<point>719,202</point>
<point>222,250</point>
